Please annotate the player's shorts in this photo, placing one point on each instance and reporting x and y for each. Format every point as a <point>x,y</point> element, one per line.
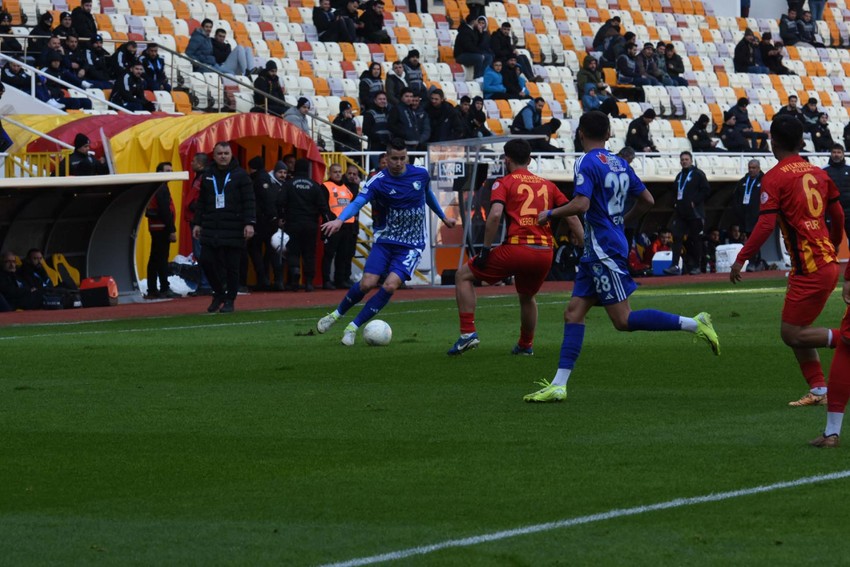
<point>807,294</point>
<point>609,281</point>
<point>392,258</point>
<point>844,330</point>
<point>528,265</point>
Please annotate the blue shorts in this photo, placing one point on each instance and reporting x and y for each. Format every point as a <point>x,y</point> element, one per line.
<point>392,258</point>
<point>607,284</point>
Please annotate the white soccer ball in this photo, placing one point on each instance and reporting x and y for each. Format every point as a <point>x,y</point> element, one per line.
<point>377,333</point>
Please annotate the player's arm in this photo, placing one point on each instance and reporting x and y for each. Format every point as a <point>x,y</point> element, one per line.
<point>491,228</point>
<point>835,213</point>
<point>577,206</point>
<point>352,209</point>
<point>434,205</point>
<point>762,231</point>
<point>643,202</point>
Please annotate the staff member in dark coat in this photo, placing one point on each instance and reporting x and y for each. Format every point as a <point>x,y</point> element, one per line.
<point>701,140</point>
<point>638,137</point>
<point>839,172</point>
<point>302,203</point>
<point>745,199</point>
<point>266,193</point>
<point>160,215</point>
<point>345,136</point>
<point>689,219</point>
<point>225,215</point>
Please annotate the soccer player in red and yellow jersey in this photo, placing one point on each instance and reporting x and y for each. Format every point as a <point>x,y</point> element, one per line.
<point>525,254</point>
<point>801,197</point>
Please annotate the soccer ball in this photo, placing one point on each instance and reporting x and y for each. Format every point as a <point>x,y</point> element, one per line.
<point>377,333</point>
<point>279,241</point>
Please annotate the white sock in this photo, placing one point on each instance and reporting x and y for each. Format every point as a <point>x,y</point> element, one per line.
<point>561,377</point>
<point>466,335</point>
<point>351,327</point>
<point>833,423</point>
<point>336,314</point>
<point>688,324</point>
<point>828,337</point>
<point>819,391</point>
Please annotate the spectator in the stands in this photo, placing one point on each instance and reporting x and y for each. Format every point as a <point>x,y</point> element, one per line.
<point>591,100</point>
<point>129,90</point>
<point>9,45</point>
<point>332,26</point>
<point>811,114</point>
<point>15,76</point>
<point>268,84</point>
<point>200,48</point>
<point>14,292</point>
<point>809,30</point>
<point>758,140</point>
<point>700,138</point>
<point>422,119</point>
<point>605,33</point>
<point>83,21</point>
<point>791,109</point>
<point>40,33</point>
<point>345,135</point>
<point>297,115</point>
<point>154,66</point>
<point>54,70</point>
<point>235,60</point>
<point>647,66</point>
<point>65,27</point>
<point>493,86</point>
<point>403,124</point>
<point>590,74</point>
<point>529,120</point>
<point>476,7</point>
<point>821,136</point>
<point>745,55</point>
<point>97,62</point>
<point>629,72</point>
<point>504,44</point>
<point>370,84</point>
<point>469,47</point>
<point>675,66</point>
<point>394,82</point>
<point>372,19</point>
<point>513,79</point>
<point>789,29</point>
<point>661,63</point>
<point>771,55</point>
<point>123,59</point>
<point>375,125</point>
<point>53,45</point>
<point>75,61</point>
<point>638,137</point>
<point>413,73</point>
<point>348,12</point>
<point>445,119</point>
<point>733,138</point>
<point>616,47</point>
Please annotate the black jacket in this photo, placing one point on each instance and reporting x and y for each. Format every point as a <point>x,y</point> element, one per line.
<point>225,226</point>
<point>83,164</point>
<point>746,215</point>
<point>695,189</point>
<point>839,172</point>
<point>130,89</point>
<point>502,46</point>
<point>445,122</point>
<point>744,56</point>
<point>638,136</point>
<point>822,137</point>
<point>302,201</point>
<point>700,139</point>
<point>344,142</point>
<point>403,124</point>
<point>375,128</point>
<point>733,139</point>
<point>468,40</point>
<point>221,51</point>
<point>17,293</point>
<point>159,212</point>
<point>83,23</point>
<point>33,277</point>
<point>265,83</point>
<point>796,113</point>
<point>266,193</point>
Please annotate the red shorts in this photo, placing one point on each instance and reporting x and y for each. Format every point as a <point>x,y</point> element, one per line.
<point>845,326</point>
<point>529,266</point>
<point>807,294</point>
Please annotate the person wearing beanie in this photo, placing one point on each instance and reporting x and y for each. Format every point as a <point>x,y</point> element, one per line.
<point>97,61</point>
<point>700,138</point>
<point>260,249</point>
<point>40,33</point>
<point>297,115</point>
<point>638,137</point>
<point>80,162</point>
<point>279,174</point>
<point>65,27</point>
<point>345,130</point>
<point>268,84</point>
<point>224,220</point>
<point>732,138</point>
<point>757,140</point>
<point>301,203</point>
<point>163,231</point>
<point>413,74</point>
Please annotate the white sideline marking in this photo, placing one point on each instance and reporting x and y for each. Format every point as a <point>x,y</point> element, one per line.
<point>646,293</point>
<point>570,522</point>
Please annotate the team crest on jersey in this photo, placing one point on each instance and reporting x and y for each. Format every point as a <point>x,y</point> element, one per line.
<point>579,179</point>
<point>495,185</point>
<point>602,157</point>
<point>597,269</point>
<point>417,185</point>
<point>764,198</point>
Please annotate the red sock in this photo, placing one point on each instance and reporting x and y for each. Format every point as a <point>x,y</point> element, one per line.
<point>813,373</point>
<point>467,323</point>
<point>839,379</point>
<point>835,338</point>
<point>526,338</point>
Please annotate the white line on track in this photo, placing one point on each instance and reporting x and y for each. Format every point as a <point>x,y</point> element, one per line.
<point>570,522</point>
<point>511,298</point>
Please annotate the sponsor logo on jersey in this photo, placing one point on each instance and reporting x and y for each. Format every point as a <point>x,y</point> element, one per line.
<point>764,197</point>
<point>417,185</point>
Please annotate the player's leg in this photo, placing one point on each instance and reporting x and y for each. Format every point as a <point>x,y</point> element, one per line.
<point>465,297</point>
<point>527,324</point>
<point>839,389</point>
<point>531,265</point>
<point>375,265</point>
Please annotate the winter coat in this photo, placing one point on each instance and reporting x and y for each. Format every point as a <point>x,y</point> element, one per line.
<point>225,226</point>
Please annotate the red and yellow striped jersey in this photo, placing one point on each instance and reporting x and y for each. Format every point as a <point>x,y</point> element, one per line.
<point>524,196</point>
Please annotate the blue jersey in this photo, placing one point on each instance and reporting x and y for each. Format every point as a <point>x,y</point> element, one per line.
<point>606,180</point>
<point>398,206</point>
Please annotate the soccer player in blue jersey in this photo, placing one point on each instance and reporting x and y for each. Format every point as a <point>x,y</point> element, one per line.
<point>602,183</point>
<point>398,195</point>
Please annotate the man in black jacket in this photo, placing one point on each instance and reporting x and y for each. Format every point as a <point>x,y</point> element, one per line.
<point>375,125</point>
<point>445,120</point>
<point>129,90</point>
<point>732,138</point>
<point>839,172</point>
<point>638,137</point>
<point>160,215</point>
<point>402,121</point>
<point>372,19</point>
<point>83,22</point>
<point>302,202</point>
<point>268,83</point>
<point>701,140</point>
<point>469,49</point>
<point>260,249</point>
<point>821,136</point>
<point>344,135</point>
<point>689,215</point>
<point>16,293</point>
<point>154,66</point>
<point>746,198</point>
<point>80,162</point>
<point>758,140</point>
<point>791,109</point>
<point>225,215</point>
<point>97,61</point>
<point>332,27</point>
<point>503,44</point>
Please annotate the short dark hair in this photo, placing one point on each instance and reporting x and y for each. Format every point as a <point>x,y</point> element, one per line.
<point>161,166</point>
<point>837,147</point>
<point>787,133</point>
<point>539,99</point>
<point>221,144</point>
<point>519,151</point>
<point>627,153</point>
<point>220,30</point>
<point>595,125</point>
<point>438,92</point>
<point>202,158</point>
<point>206,21</point>
<point>396,144</point>
<point>792,96</point>
<point>32,251</point>
<point>404,91</point>
<point>687,153</point>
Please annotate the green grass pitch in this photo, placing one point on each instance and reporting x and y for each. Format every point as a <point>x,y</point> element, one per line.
<point>249,440</point>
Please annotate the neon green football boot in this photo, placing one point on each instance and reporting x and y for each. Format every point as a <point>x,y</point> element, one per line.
<point>549,393</point>
<point>706,332</point>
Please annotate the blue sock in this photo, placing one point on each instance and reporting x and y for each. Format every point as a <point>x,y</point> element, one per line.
<point>571,347</point>
<point>352,298</point>
<point>375,304</point>
<point>653,320</point>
